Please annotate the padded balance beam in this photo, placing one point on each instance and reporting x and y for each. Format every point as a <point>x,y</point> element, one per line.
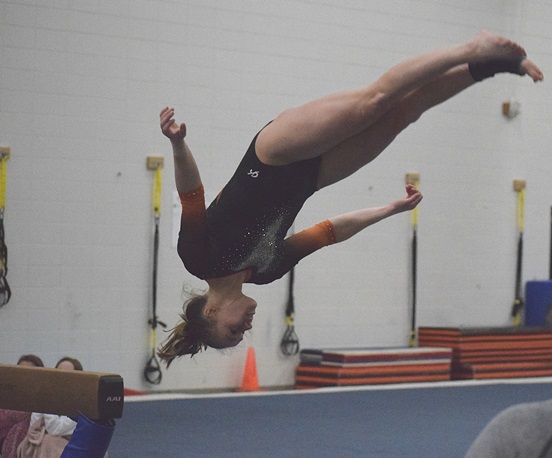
<point>97,395</point>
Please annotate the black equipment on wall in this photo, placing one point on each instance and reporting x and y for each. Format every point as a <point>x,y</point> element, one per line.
<point>519,187</point>
<point>290,342</point>
<point>152,371</point>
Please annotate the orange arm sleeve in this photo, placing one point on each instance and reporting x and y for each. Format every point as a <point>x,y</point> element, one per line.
<point>193,220</point>
<point>309,240</point>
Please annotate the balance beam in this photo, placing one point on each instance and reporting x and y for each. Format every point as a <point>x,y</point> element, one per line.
<point>97,395</point>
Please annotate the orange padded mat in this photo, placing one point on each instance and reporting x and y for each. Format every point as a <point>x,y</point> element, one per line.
<point>322,368</point>
<point>493,352</point>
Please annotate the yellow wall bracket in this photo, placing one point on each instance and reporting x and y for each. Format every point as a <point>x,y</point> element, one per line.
<point>4,152</point>
<point>155,162</point>
<point>413,178</point>
<point>519,185</point>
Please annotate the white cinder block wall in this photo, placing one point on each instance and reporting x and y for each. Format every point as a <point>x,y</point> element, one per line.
<point>81,85</point>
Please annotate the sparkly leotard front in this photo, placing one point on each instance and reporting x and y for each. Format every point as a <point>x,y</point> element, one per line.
<point>246,225</point>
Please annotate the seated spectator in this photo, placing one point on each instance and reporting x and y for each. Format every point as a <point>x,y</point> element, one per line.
<point>69,364</point>
<point>30,361</point>
<point>48,434</point>
<point>14,424</point>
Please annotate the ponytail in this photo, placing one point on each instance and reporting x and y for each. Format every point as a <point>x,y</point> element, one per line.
<point>189,335</point>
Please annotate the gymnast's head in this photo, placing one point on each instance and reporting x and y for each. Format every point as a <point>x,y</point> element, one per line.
<point>206,322</point>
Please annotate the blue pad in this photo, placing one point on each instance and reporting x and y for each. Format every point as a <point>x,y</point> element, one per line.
<point>90,439</point>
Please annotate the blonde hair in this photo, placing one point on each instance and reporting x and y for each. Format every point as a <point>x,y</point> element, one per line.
<point>188,337</point>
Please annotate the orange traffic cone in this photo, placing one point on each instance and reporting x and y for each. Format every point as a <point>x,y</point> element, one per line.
<point>250,380</point>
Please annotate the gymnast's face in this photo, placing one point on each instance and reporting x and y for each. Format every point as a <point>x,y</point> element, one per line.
<point>231,321</point>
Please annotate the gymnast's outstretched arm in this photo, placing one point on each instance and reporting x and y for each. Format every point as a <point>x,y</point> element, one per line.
<point>186,173</point>
<point>349,224</point>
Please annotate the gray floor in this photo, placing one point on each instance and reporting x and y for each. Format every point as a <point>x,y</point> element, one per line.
<point>430,420</point>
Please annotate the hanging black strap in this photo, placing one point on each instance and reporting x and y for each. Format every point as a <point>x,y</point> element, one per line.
<point>152,371</point>
<point>518,300</point>
<point>5,291</point>
<point>413,179</point>
<point>412,342</point>
<point>519,187</point>
<point>290,342</point>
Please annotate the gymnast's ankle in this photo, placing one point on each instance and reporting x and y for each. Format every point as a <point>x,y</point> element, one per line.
<point>488,68</point>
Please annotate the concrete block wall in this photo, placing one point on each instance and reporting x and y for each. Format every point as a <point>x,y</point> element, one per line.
<point>81,86</point>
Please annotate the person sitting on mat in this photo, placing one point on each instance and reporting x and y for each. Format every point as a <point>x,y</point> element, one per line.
<point>241,237</point>
<point>14,424</point>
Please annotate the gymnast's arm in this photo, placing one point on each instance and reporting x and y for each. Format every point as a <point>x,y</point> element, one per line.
<point>349,224</point>
<point>192,240</point>
<point>185,168</point>
<point>342,227</point>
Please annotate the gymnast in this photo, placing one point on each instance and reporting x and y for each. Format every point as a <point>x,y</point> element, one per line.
<point>241,237</point>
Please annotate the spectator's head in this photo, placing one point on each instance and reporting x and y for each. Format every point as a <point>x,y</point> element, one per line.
<point>69,364</point>
<point>30,361</point>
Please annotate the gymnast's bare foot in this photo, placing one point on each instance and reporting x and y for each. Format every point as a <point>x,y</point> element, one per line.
<point>489,46</point>
<point>529,68</point>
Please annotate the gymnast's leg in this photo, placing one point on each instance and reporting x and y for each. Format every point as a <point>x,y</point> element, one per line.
<point>357,151</point>
<point>319,126</point>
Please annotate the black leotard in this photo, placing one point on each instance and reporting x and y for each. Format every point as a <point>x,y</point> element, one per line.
<point>246,225</point>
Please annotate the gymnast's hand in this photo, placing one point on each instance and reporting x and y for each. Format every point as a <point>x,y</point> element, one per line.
<point>169,127</point>
<point>411,201</point>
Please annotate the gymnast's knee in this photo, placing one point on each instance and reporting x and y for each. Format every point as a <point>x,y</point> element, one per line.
<point>374,103</point>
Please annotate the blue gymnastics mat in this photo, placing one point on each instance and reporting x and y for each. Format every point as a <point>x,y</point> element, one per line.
<point>418,420</point>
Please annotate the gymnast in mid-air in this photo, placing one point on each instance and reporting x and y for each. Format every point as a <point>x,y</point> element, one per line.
<point>242,236</point>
